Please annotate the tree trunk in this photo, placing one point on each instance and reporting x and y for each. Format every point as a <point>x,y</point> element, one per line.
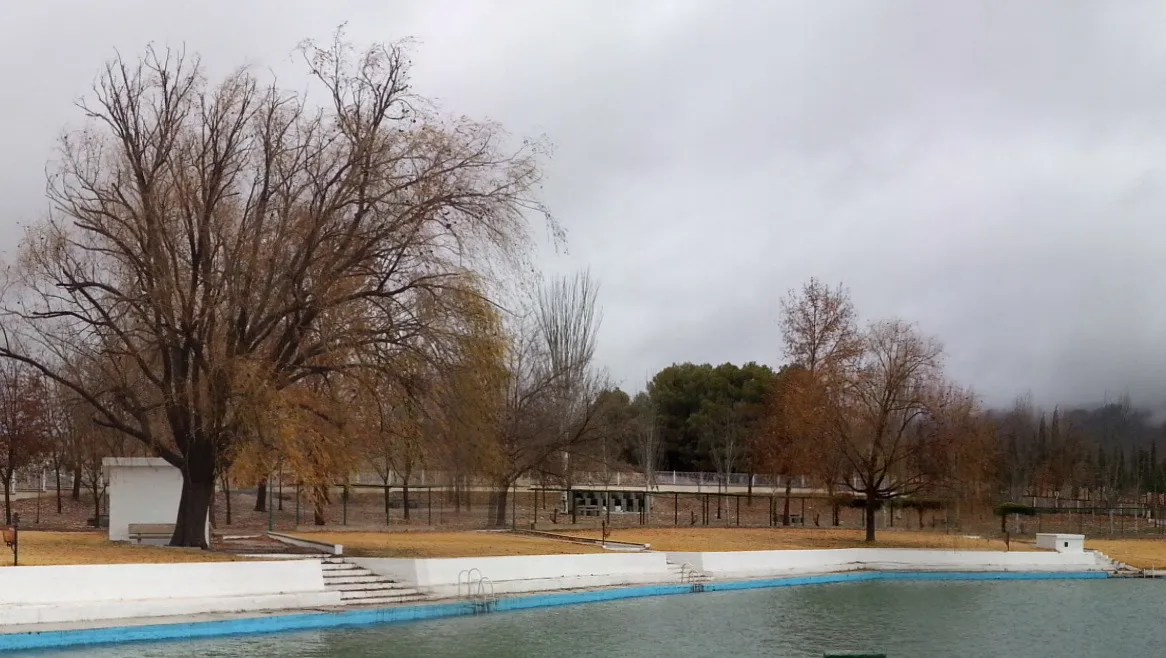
<point>321,499</point>
<point>8,498</point>
<point>871,505</point>
<point>198,489</point>
<point>77,482</point>
<point>60,505</point>
<point>96,491</point>
<point>405,498</point>
<point>227,496</point>
<point>500,500</point>
<point>387,520</point>
<point>789,485</point>
<point>260,499</point>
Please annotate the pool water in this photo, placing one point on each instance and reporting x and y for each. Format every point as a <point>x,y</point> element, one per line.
<point>903,619</point>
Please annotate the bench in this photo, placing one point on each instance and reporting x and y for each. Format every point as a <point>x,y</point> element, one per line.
<point>140,531</point>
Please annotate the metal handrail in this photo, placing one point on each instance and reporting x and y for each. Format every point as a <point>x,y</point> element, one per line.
<point>469,574</point>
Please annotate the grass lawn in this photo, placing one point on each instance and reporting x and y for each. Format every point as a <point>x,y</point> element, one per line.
<point>768,539</point>
<point>44,548</point>
<point>444,544</point>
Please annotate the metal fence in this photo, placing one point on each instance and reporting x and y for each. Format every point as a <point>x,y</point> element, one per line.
<point>660,479</point>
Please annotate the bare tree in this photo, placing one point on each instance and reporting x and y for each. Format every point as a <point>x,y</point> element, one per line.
<point>64,436</point>
<point>213,243</point>
<point>552,391</point>
<point>397,448</point>
<point>647,445</point>
<point>897,385</point>
<point>819,327</point>
<point>24,428</point>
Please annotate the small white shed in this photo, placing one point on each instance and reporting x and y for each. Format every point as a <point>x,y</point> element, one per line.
<point>1061,543</point>
<point>142,490</point>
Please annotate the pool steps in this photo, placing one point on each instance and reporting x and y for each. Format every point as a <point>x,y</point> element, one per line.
<point>359,586</point>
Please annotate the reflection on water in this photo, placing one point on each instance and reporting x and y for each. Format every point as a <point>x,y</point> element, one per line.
<point>952,619</point>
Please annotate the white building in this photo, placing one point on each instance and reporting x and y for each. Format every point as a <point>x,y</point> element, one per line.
<point>142,490</point>
<point>1061,543</point>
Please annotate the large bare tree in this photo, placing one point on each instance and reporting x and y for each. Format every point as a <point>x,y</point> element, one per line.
<point>896,386</point>
<point>211,242</point>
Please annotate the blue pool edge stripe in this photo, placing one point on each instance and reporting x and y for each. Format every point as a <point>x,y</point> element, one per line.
<point>396,614</point>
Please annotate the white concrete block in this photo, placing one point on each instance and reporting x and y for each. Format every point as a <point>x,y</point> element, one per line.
<point>1060,542</point>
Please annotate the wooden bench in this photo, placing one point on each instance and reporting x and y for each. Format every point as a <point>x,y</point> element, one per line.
<point>140,531</point>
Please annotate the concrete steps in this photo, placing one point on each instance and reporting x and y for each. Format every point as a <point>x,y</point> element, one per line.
<point>359,586</point>
<point>1115,568</point>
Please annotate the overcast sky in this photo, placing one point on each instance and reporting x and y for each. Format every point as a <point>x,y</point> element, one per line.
<point>994,175</point>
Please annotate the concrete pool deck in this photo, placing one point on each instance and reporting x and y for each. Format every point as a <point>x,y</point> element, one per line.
<point>61,635</point>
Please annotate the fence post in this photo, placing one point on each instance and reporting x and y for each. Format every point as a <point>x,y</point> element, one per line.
<point>675,503</point>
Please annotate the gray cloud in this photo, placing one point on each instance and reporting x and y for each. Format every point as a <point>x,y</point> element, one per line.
<point>995,174</point>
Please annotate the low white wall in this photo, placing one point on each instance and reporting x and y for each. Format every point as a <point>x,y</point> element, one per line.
<point>527,573</point>
<point>90,592</point>
<point>753,564</point>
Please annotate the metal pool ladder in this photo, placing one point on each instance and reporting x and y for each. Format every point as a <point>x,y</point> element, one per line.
<point>479,590</point>
<point>689,575</point>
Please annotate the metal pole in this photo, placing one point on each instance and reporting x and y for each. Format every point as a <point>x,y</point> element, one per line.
<point>514,505</point>
<point>429,498</point>
<point>675,504</point>
<point>344,505</point>
<point>297,503</point>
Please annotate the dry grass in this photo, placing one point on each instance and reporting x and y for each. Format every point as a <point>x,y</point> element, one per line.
<point>444,544</point>
<point>1140,553</point>
<point>768,539</point>
<point>46,548</point>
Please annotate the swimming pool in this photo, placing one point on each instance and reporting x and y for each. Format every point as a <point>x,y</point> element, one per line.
<point>948,618</point>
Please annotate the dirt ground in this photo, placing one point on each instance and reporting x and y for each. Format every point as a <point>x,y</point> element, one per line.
<point>445,544</point>
<point>768,539</point>
<point>45,548</point>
